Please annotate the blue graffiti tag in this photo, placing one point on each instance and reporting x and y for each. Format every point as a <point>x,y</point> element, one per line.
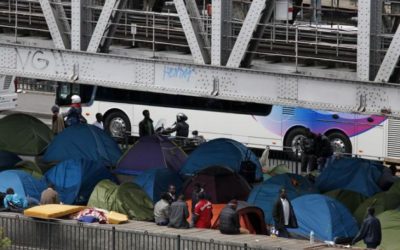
<point>178,72</point>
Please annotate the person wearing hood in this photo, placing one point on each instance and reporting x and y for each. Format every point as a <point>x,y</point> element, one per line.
<point>74,114</point>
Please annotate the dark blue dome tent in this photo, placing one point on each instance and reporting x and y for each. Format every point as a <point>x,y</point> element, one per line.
<point>266,194</point>
<point>156,181</point>
<point>226,153</point>
<point>75,180</point>
<point>328,218</point>
<point>86,142</point>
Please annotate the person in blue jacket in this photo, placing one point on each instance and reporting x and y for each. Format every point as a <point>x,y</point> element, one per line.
<point>14,201</point>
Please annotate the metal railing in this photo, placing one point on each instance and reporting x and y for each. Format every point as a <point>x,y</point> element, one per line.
<point>26,233</point>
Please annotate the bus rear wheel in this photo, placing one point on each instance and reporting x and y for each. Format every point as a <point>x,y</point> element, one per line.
<point>340,143</point>
<point>292,142</point>
<point>117,124</point>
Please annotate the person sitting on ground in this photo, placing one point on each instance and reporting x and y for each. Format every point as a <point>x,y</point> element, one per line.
<point>229,219</point>
<point>370,231</point>
<point>57,124</point>
<point>49,195</point>
<point>202,212</point>
<point>179,213</point>
<point>172,193</point>
<point>198,139</point>
<point>284,215</point>
<point>14,201</point>
<point>162,210</point>
<point>99,121</point>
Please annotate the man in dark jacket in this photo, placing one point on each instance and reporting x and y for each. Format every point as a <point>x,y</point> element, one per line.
<point>284,215</point>
<point>229,219</point>
<point>146,125</point>
<point>179,213</point>
<point>307,146</point>
<point>323,150</point>
<point>370,231</point>
<point>181,127</point>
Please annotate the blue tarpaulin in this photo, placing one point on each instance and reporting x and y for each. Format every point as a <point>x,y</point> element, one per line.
<point>23,183</point>
<point>266,194</point>
<point>83,142</point>
<point>75,179</point>
<point>325,216</point>
<point>156,181</point>
<point>220,152</point>
<point>355,174</point>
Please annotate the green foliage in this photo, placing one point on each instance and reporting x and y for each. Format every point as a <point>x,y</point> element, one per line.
<point>4,241</point>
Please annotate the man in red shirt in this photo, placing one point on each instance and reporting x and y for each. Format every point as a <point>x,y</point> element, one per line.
<point>202,212</point>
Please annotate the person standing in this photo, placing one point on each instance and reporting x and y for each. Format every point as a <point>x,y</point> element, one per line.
<point>370,231</point>
<point>307,146</point>
<point>146,125</point>
<point>283,214</point>
<point>57,124</point>
<point>202,212</point>
<point>179,213</point>
<point>197,189</point>
<point>323,150</point>
<point>74,114</point>
<point>161,210</point>
<point>99,121</point>
<point>181,127</point>
<point>49,195</point>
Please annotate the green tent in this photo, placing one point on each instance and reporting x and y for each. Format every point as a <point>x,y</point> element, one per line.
<point>128,198</point>
<point>24,134</point>
<point>278,169</point>
<point>390,224</point>
<point>30,167</point>
<point>382,202</point>
<point>350,199</point>
<point>395,188</point>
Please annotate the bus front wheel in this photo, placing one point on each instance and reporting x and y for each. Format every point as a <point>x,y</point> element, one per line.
<point>117,124</point>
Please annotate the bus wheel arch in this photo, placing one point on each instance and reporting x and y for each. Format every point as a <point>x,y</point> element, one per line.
<point>293,135</point>
<point>116,122</point>
<point>340,141</point>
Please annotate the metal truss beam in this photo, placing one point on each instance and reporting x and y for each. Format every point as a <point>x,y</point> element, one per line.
<point>101,25</point>
<point>363,39</point>
<point>76,24</point>
<point>246,33</point>
<point>199,53</point>
<point>390,60</point>
<point>199,80</point>
<point>221,31</point>
<point>57,28</point>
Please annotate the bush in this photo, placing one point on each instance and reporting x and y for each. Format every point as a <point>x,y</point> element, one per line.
<point>4,241</point>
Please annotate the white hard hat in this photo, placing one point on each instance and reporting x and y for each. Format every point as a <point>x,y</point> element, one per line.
<point>75,99</point>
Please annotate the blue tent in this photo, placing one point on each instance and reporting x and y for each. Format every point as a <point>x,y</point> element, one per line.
<point>8,160</point>
<point>220,152</point>
<point>83,142</point>
<point>358,175</point>
<point>325,216</point>
<point>266,194</point>
<point>156,181</point>
<point>75,179</point>
<point>23,183</point>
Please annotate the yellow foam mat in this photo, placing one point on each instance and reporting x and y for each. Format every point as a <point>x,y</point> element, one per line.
<point>116,218</point>
<point>52,211</point>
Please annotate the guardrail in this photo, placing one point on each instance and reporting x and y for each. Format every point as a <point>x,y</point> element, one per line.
<point>26,233</point>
